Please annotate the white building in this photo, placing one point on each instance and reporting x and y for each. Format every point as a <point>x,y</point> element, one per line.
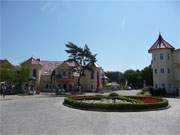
<point>165,65</point>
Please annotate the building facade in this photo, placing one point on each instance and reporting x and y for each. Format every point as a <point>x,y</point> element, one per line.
<point>59,74</point>
<point>165,65</point>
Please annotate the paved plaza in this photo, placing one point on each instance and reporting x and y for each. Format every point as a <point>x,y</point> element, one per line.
<point>45,115</point>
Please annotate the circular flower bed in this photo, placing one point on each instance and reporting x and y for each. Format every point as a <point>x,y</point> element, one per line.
<point>113,102</point>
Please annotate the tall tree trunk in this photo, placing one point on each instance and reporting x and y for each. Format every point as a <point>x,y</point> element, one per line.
<point>79,83</point>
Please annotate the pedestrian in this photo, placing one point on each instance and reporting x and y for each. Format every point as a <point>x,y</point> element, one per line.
<point>3,87</point>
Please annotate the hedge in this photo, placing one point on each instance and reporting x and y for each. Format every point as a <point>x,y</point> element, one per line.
<point>135,105</point>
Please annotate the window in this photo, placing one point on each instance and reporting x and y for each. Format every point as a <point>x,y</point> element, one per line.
<point>168,56</point>
<point>161,56</point>
<point>169,86</point>
<point>168,70</point>
<point>83,73</point>
<point>91,86</point>
<point>162,70</point>
<point>59,85</point>
<point>59,76</point>
<point>163,85</point>
<point>64,73</point>
<point>53,72</point>
<point>156,86</point>
<point>92,75</point>
<point>155,57</point>
<point>34,73</point>
<point>155,71</point>
<point>69,74</point>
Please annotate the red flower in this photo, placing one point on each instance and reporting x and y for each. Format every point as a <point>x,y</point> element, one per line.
<point>151,100</point>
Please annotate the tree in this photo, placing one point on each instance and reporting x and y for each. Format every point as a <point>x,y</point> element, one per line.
<point>116,76</point>
<point>82,57</point>
<point>135,78</point>
<point>7,72</point>
<point>14,75</point>
<point>22,76</point>
<point>147,75</point>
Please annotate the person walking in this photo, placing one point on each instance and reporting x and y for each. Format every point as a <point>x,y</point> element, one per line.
<point>3,87</point>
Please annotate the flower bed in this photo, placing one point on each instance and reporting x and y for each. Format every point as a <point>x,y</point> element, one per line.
<point>132,103</point>
<point>147,99</point>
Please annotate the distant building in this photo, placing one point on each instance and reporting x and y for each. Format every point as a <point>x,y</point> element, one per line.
<point>50,74</point>
<point>165,65</point>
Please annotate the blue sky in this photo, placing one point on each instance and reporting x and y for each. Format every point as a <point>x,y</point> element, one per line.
<point>120,32</point>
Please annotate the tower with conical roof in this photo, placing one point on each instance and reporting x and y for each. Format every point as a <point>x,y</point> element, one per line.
<point>162,65</point>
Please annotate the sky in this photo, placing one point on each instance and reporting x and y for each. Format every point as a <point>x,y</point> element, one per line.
<point>120,32</point>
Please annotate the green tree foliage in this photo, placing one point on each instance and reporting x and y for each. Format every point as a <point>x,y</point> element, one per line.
<point>82,57</point>
<point>23,73</point>
<point>116,76</point>
<point>10,73</point>
<point>14,75</point>
<point>7,72</point>
<point>147,75</point>
<point>134,78</point>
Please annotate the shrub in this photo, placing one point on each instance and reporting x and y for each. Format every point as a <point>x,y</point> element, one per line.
<point>158,92</point>
<point>113,95</point>
<point>146,93</point>
<point>147,89</point>
<point>153,92</point>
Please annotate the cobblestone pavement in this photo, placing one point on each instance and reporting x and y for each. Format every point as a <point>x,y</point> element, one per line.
<point>45,115</point>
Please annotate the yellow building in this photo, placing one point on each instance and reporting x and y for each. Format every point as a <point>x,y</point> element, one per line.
<point>166,66</point>
<point>50,75</point>
<point>65,77</point>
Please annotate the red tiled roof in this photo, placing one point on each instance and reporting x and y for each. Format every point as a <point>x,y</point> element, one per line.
<point>49,66</point>
<point>160,44</point>
<point>32,61</point>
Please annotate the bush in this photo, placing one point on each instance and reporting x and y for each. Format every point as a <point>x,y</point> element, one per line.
<point>158,92</point>
<point>154,92</point>
<point>113,95</point>
<point>147,89</point>
<point>144,92</point>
